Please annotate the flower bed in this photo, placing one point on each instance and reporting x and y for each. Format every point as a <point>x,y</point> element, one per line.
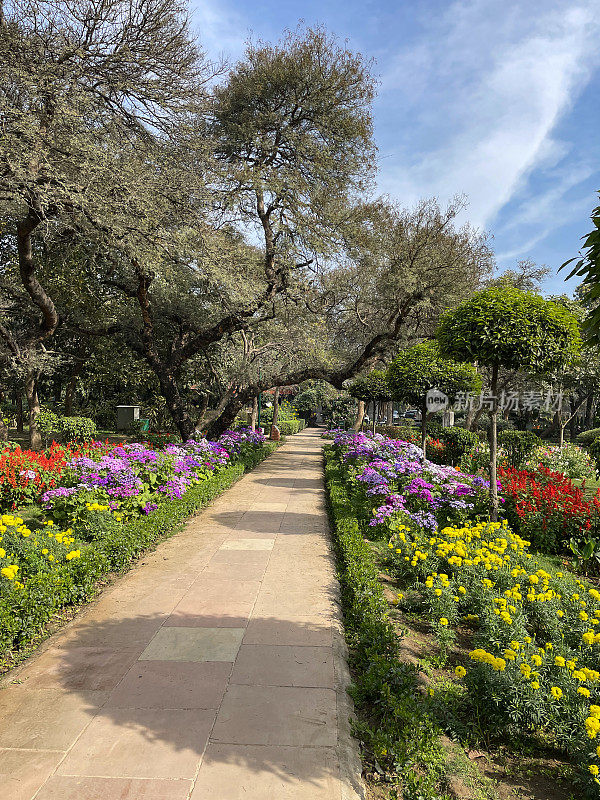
<point>394,730</point>
<point>571,460</point>
<point>26,474</point>
<point>116,505</point>
<point>535,630</point>
<point>546,508</point>
<point>389,478</point>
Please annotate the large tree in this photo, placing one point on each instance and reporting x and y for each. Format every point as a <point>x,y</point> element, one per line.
<point>83,87</point>
<point>397,271</point>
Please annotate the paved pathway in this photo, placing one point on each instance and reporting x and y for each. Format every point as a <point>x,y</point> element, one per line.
<point>213,670</point>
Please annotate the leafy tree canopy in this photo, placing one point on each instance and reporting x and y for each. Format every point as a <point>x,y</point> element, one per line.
<point>510,328</point>
<point>420,368</point>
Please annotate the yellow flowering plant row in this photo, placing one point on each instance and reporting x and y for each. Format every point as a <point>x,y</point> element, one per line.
<point>535,630</point>
<point>25,552</point>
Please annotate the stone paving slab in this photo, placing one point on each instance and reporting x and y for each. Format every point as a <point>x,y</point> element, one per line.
<point>213,670</point>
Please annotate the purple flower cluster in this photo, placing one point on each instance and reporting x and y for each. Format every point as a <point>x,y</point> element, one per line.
<point>133,476</point>
<point>403,483</point>
<point>235,441</point>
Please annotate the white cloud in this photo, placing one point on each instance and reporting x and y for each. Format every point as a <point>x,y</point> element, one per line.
<point>221,29</point>
<point>480,97</point>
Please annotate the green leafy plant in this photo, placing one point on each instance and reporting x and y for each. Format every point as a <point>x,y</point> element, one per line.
<point>457,442</point>
<point>587,437</point>
<point>518,446</point>
<point>595,452</point>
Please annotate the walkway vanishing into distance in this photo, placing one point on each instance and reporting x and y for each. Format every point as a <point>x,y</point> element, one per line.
<point>213,670</point>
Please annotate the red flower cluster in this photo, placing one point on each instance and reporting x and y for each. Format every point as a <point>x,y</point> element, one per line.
<point>547,509</point>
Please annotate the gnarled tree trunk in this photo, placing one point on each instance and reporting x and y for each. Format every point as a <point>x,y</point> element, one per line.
<point>360,415</point>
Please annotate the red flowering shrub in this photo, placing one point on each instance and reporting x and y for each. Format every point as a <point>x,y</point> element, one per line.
<point>545,508</point>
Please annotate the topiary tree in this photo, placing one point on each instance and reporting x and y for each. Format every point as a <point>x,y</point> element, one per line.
<point>374,388</point>
<point>421,368</point>
<point>505,327</point>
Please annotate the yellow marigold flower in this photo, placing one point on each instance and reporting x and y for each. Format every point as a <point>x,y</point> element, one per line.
<point>594,769</point>
<point>536,660</point>
<point>595,711</point>
<point>556,692</point>
<point>73,554</point>
<point>559,661</point>
<point>443,621</point>
<point>438,592</point>
<point>588,637</point>
<point>534,685</point>
<point>460,672</point>
<point>583,691</point>
<point>2,552</point>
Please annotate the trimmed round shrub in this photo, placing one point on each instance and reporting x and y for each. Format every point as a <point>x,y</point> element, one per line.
<point>81,429</point>
<point>518,446</point>
<point>587,437</point>
<point>457,441</point>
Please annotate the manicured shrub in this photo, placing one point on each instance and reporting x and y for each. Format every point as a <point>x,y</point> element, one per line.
<point>518,446</point>
<point>407,433</point>
<point>67,429</point>
<point>587,437</point>
<point>457,442</point>
<point>595,452</point>
<point>288,427</point>
<point>77,429</point>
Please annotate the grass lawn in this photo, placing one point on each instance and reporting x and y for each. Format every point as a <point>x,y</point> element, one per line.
<point>591,485</point>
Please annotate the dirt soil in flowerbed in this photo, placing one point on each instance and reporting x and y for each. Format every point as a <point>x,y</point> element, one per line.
<point>481,766</point>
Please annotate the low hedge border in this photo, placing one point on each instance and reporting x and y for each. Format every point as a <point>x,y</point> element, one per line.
<point>24,612</point>
<point>289,427</point>
<point>395,733</point>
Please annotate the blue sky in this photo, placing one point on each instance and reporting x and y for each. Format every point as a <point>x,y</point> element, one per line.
<point>494,99</point>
